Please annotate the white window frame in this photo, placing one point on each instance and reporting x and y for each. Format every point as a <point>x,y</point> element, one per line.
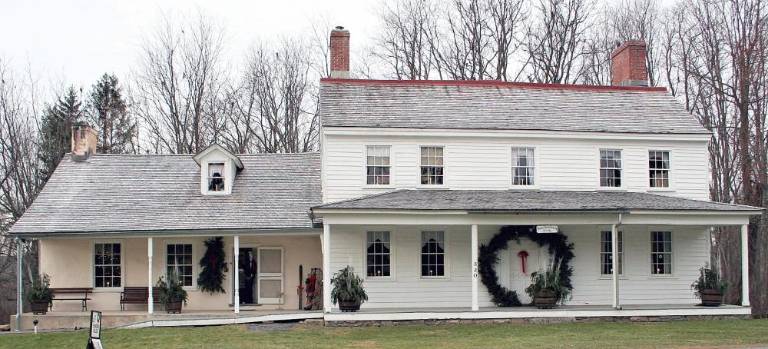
<point>194,261</point>
<point>513,166</point>
<point>366,165</point>
<point>445,254</point>
<point>622,254</point>
<point>671,253</point>
<point>600,168</point>
<point>391,256</point>
<point>422,165</point>
<point>93,265</point>
<point>224,177</point>
<point>669,171</point>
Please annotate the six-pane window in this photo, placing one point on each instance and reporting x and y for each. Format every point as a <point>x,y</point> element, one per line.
<point>216,177</point>
<point>106,265</point>
<point>432,253</point>
<point>378,254</point>
<point>179,262</point>
<point>523,166</point>
<point>606,253</point>
<point>661,252</point>
<point>377,164</point>
<point>658,168</point>
<point>432,165</point>
<point>610,168</point>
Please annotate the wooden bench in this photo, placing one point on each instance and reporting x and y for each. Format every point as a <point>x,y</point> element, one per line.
<point>138,295</point>
<point>72,294</point>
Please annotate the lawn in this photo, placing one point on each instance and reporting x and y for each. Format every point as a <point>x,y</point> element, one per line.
<point>687,334</point>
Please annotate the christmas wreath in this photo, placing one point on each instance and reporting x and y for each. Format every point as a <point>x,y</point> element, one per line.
<point>213,265</point>
<point>557,245</point>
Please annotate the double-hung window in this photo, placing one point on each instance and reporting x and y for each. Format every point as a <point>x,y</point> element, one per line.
<point>179,262</point>
<point>610,168</point>
<point>216,176</point>
<point>432,253</point>
<point>658,168</point>
<point>523,166</point>
<point>432,165</point>
<point>606,252</point>
<point>107,266</point>
<point>377,166</point>
<point>661,253</point>
<point>377,251</point>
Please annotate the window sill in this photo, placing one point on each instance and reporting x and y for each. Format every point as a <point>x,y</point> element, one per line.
<point>661,190</point>
<point>663,277</point>
<point>524,187</point>
<point>611,189</point>
<point>107,289</point>
<point>216,193</point>
<point>432,186</point>
<point>375,279</point>
<point>434,278</point>
<point>381,186</point>
<point>609,278</point>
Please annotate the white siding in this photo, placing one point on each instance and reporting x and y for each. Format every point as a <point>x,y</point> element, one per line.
<point>407,289</point>
<point>485,163</point>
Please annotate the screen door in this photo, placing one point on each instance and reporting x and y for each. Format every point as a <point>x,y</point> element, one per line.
<point>270,275</point>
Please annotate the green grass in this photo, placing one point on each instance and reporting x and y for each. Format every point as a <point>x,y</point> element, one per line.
<point>687,334</point>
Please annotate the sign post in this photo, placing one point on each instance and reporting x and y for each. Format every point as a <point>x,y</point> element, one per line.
<point>94,335</point>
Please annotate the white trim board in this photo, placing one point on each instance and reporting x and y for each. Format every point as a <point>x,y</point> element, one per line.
<point>554,313</point>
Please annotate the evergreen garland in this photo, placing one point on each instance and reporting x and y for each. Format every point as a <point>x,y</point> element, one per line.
<point>557,245</point>
<point>214,265</point>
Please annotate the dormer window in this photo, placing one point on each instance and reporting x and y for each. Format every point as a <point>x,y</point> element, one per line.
<point>216,178</point>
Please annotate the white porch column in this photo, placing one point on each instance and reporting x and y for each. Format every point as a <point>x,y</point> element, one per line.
<point>475,271</point>
<point>745,265</point>
<point>326,267</point>
<point>615,264</point>
<point>236,271</point>
<point>19,282</point>
<point>151,299</point>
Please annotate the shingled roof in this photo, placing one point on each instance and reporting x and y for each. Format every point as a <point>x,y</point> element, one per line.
<point>528,201</point>
<point>156,193</point>
<point>497,105</point>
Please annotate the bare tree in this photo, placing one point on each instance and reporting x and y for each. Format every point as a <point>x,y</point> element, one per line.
<point>179,73</point>
<point>405,44</point>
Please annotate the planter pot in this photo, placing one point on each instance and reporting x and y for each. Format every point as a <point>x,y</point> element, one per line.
<point>40,307</point>
<point>349,306</point>
<point>173,307</point>
<point>545,299</point>
<point>711,297</point>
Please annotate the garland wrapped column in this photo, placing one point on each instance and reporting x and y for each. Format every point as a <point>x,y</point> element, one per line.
<point>557,246</point>
<point>213,266</point>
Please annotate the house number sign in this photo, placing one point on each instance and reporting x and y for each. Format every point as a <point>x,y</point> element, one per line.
<point>547,229</point>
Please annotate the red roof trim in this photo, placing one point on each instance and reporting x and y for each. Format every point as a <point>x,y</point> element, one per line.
<point>491,83</point>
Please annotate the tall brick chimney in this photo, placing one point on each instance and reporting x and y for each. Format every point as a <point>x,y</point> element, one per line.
<point>84,139</point>
<point>628,64</point>
<point>340,53</point>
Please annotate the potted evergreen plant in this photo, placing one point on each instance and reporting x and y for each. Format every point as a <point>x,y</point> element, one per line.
<point>547,289</point>
<point>172,293</point>
<point>709,287</point>
<point>348,290</point>
<point>40,294</point>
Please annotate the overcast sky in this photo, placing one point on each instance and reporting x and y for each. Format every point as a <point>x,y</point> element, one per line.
<point>75,41</point>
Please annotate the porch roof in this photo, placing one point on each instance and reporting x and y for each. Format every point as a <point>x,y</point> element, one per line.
<point>530,201</point>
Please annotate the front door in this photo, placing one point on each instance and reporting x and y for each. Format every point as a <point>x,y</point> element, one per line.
<point>270,275</point>
<point>247,269</point>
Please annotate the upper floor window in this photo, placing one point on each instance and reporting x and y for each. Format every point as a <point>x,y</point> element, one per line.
<point>523,166</point>
<point>107,265</point>
<point>661,252</point>
<point>606,252</point>
<point>610,168</point>
<point>179,263</point>
<point>378,254</point>
<point>432,165</point>
<point>658,168</point>
<point>432,253</point>
<point>216,176</point>
<point>377,165</point>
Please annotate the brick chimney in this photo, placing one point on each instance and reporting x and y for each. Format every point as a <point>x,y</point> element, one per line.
<point>84,139</point>
<point>340,53</point>
<point>628,64</point>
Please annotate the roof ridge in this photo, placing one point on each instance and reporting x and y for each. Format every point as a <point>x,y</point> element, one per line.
<point>494,83</point>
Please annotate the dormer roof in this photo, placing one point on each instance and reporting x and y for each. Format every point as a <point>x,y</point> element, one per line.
<point>215,147</point>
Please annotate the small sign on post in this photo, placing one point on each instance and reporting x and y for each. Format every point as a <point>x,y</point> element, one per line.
<point>94,338</point>
<point>547,229</point>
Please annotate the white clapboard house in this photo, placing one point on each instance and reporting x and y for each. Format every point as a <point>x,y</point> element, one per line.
<point>411,178</point>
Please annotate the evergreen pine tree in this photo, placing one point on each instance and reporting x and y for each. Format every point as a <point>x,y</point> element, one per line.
<point>56,130</point>
<point>108,113</point>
